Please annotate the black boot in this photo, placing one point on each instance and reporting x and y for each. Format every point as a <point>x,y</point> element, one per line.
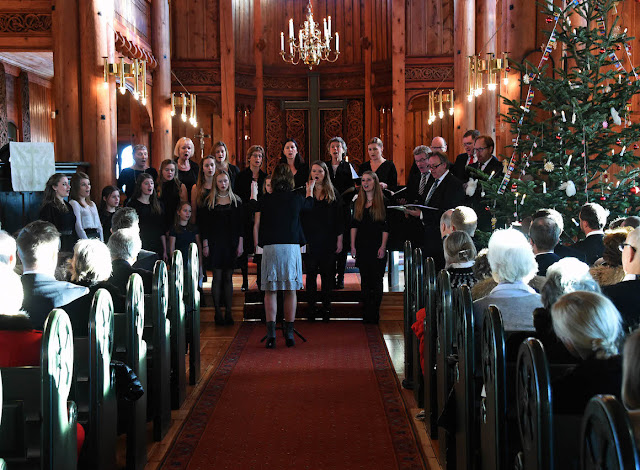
<point>228,317</point>
<point>271,335</point>
<point>326,314</point>
<point>219,319</point>
<point>288,334</point>
<point>311,312</point>
<point>340,282</point>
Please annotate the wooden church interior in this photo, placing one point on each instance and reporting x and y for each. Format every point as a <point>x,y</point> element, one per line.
<point>55,87</point>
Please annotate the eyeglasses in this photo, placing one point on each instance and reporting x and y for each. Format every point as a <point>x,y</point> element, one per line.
<point>433,167</point>
<point>480,149</point>
<point>437,147</point>
<point>622,245</point>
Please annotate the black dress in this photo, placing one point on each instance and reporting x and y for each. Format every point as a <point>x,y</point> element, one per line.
<point>243,191</point>
<point>65,222</point>
<point>105,220</point>
<point>386,173</point>
<point>189,178</point>
<point>152,226</point>
<point>184,236</point>
<point>128,178</point>
<point>233,174</point>
<point>171,199</point>
<point>223,241</point>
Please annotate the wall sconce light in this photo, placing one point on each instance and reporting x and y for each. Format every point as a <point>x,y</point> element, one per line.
<point>182,101</point>
<point>123,70</point>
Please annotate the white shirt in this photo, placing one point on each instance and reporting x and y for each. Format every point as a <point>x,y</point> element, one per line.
<point>595,232</point>
<point>86,217</point>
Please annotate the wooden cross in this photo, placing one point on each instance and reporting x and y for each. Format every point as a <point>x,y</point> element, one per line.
<point>201,136</point>
<point>314,105</point>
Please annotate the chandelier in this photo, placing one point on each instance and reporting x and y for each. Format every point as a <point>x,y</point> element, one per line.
<point>312,45</point>
<point>490,67</point>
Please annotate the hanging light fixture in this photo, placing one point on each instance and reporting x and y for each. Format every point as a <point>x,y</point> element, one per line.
<point>123,70</point>
<point>184,101</point>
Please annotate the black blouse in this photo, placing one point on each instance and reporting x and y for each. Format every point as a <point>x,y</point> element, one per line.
<point>152,226</point>
<point>342,178</point>
<point>369,234</point>
<point>386,172</point>
<point>321,226</point>
<point>65,222</point>
<point>280,218</point>
<point>128,178</point>
<point>189,178</point>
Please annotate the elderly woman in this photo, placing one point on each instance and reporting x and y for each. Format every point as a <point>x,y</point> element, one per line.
<point>565,276</point>
<point>513,264</point>
<point>589,326</point>
<point>187,169</point>
<point>460,254</point>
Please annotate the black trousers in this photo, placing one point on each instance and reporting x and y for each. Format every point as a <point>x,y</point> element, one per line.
<point>322,264</point>
<point>371,280</point>
<point>222,289</point>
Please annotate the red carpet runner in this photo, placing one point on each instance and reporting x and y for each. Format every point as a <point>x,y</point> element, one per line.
<point>330,403</point>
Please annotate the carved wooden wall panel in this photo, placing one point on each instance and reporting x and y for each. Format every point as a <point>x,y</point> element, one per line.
<point>355,132</point>
<point>332,124</point>
<point>275,132</point>
<point>25,22</point>
<point>297,130</point>
<point>26,114</point>
<point>4,121</point>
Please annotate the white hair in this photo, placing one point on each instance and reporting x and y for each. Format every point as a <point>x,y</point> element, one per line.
<point>11,291</point>
<point>511,257</point>
<point>124,244</point>
<point>565,276</point>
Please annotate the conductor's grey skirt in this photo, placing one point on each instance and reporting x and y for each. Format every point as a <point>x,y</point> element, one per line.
<point>281,268</point>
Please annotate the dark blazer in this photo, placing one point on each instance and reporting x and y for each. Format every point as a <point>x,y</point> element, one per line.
<point>545,260</point>
<point>459,167</point>
<point>477,202</point>
<point>564,251</point>
<point>626,297</point>
<point>42,293</point>
<point>592,247</point>
<point>122,270</point>
<point>79,309</point>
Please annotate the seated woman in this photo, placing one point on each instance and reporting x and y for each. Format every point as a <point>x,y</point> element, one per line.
<point>565,276</point>
<point>21,344</point>
<point>90,266</point>
<point>589,326</point>
<point>460,254</point>
<point>631,380</point>
<point>609,271</point>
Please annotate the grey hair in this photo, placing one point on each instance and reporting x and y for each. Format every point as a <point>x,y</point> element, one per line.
<point>11,291</point>
<point>91,261</point>
<point>421,150</point>
<point>565,276</point>
<point>511,257</point>
<point>445,218</point>
<point>7,247</point>
<point>124,244</point>
<point>588,322</point>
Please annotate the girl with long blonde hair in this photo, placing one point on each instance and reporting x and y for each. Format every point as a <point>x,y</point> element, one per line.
<point>87,218</point>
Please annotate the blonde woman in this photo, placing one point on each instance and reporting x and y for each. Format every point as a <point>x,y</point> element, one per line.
<point>187,169</point>
<point>87,218</point>
<point>369,235</point>
<point>383,168</point>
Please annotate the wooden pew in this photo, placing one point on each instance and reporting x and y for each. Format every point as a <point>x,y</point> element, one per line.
<point>38,429</point>
<point>157,334</point>
<point>419,302</point>
<point>130,348</point>
<point>192,308</point>
<point>2,464</point>
<point>409,300</point>
<point>430,339</point>
<point>93,387</point>
<point>444,352</point>
<point>464,387</point>
<point>607,436</point>
<point>178,339</point>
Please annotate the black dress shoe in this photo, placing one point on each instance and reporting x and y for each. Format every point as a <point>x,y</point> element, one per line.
<point>228,319</point>
<point>271,343</point>
<point>245,287</point>
<point>340,282</point>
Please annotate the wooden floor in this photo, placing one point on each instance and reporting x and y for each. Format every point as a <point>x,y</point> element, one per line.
<point>214,343</point>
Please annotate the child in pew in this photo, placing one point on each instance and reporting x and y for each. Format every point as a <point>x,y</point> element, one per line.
<point>183,233</point>
<point>631,381</point>
<point>589,326</point>
<point>20,345</point>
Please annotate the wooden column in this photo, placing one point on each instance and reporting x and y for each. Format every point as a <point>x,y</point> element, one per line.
<point>464,45</point>
<point>66,60</point>
<point>4,121</point>
<point>487,103</point>
<point>227,77</point>
<point>368,99</point>
<point>98,102</point>
<point>257,117</point>
<point>399,107</point>
<point>161,138</point>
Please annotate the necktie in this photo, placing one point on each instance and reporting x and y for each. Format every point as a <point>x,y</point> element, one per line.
<point>423,183</point>
<point>431,191</point>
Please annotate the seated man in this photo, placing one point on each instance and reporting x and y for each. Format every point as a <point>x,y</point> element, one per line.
<point>544,235</point>
<point>127,217</point>
<point>7,249</point>
<point>464,219</point>
<point>593,218</point>
<point>561,250</point>
<point>38,245</point>
<point>124,246</point>
<point>625,295</point>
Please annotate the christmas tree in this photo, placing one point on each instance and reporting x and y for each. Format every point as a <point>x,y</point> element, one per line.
<point>574,141</point>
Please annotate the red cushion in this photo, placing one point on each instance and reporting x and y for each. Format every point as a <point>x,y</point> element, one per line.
<point>20,348</point>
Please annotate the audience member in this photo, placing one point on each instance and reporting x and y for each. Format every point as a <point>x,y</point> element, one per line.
<point>7,249</point>
<point>464,219</point>
<point>460,254</point>
<point>561,250</point>
<point>588,324</point>
<point>565,276</point>
<point>593,218</point>
<point>626,294</point>
<point>445,224</point>
<point>38,244</point>
<point>616,223</point>
<point>127,217</point>
<point>124,246</point>
<point>631,221</point>
<point>544,235</point>
<point>608,270</point>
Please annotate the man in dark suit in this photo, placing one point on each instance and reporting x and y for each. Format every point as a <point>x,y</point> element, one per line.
<point>38,244</point>
<point>127,217</point>
<point>626,294</point>
<point>561,250</point>
<point>459,167</point>
<point>544,234</point>
<point>492,167</point>
<point>442,191</point>
<point>593,218</point>
<point>124,246</point>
